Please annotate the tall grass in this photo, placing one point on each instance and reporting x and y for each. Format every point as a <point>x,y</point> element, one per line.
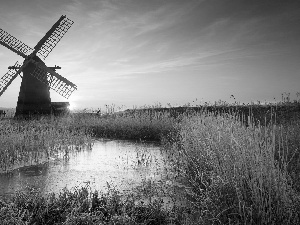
<point>233,173</point>
<point>30,141</point>
<point>81,206</point>
<point>131,125</point>
<point>236,174</point>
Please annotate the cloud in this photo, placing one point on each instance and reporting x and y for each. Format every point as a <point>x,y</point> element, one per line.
<point>126,69</point>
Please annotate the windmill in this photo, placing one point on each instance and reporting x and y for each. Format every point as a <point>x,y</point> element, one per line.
<point>37,79</point>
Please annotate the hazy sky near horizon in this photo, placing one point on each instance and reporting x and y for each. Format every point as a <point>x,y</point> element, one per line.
<point>144,52</point>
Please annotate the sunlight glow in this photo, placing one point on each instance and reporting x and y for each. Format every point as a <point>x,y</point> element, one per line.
<point>72,105</point>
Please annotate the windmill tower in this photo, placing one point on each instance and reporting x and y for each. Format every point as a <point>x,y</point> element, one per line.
<point>37,79</point>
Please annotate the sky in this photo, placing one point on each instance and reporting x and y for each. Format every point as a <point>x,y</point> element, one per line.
<point>137,53</point>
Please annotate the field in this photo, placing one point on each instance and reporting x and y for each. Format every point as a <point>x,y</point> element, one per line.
<point>236,165</point>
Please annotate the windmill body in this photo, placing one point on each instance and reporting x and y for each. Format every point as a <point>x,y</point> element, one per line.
<point>34,95</point>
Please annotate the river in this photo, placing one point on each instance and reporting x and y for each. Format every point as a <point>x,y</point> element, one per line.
<point>108,163</point>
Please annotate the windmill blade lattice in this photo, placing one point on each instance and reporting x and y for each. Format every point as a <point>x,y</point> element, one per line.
<point>56,82</point>
<point>14,44</point>
<point>54,38</point>
<point>6,80</point>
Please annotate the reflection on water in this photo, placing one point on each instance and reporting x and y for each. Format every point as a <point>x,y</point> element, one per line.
<point>121,163</point>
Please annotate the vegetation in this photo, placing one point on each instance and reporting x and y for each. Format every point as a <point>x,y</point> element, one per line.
<point>236,174</point>
<point>131,125</point>
<point>36,140</point>
<point>81,206</point>
<point>237,166</point>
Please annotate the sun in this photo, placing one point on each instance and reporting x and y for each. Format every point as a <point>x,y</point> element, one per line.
<point>72,106</point>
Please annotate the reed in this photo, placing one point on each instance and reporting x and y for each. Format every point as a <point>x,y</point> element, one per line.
<point>81,206</point>
<point>25,142</point>
<point>131,125</point>
<point>236,174</point>
<point>234,169</point>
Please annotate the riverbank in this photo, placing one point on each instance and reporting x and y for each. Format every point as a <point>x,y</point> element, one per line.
<point>231,172</point>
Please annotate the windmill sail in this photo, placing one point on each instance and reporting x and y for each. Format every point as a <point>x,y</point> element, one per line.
<point>14,44</point>
<point>55,81</point>
<point>6,80</point>
<point>53,36</point>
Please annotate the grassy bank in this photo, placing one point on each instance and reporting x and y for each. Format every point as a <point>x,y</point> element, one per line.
<point>30,141</point>
<point>150,125</point>
<point>234,168</point>
<point>82,206</point>
<point>236,174</point>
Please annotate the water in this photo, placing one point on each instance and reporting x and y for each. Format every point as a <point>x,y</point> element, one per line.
<point>122,164</point>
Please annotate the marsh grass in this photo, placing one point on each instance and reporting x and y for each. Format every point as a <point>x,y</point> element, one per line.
<point>81,206</point>
<point>130,125</point>
<point>33,141</point>
<point>236,174</point>
<point>234,169</point>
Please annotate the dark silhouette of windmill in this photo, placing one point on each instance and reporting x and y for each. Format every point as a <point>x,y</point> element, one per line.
<point>37,79</point>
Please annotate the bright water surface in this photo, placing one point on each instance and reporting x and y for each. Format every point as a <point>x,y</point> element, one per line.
<point>123,164</point>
